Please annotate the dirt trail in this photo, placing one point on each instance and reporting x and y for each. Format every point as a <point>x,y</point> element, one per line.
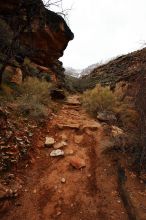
<point>89,193</point>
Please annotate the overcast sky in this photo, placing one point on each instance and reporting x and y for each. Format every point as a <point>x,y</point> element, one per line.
<point>104,29</point>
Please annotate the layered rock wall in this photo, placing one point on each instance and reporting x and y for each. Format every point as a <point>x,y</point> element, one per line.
<point>44,34</point>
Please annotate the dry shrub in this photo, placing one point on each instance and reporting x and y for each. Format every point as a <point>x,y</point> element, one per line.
<point>6,90</point>
<point>5,36</point>
<point>33,86</point>
<point>128,116</point>
<point>34,97</point>
<point>102,99</point>
<point>31,107</point>
<point>98,99</point>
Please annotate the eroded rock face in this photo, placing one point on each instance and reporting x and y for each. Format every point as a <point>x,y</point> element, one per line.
<point>50,41</point>
<point>45,36</point>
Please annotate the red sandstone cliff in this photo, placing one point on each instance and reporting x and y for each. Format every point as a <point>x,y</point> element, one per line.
<point>45,35</point>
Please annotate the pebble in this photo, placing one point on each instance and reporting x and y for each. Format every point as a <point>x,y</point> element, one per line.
<point>34,191</point>
<point>69,152</point>
<point>89,175</point>
<point>64,137</point>
<point>59,213</point>
<point>63,180</point>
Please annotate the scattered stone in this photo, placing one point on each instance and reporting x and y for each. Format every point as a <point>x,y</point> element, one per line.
<point>117,131</point>
<point>20,186</point>
<point>69,125</point>
<point>57,94</point>
<point>18,204</point>
<point>77,162</point>
<point>63,137</point>
<point>89,175</point>
<point>73,101</point>
<point>10,176</point>
<point>56,153</point>
<point>88,131</point>
<point>60,145</point>
<point>15,195</point>
<point>16,74</point>
<point>59,213</point>
<point>78,139</point>
<point>63,180</point>
<point>34,191</point>
<point>6,193</point>
<point>30,134</point>
<point>106,117</point>
<point>91,125</point>
<point>69,152</point>
<point>3,194</point>
<point>49,141</point>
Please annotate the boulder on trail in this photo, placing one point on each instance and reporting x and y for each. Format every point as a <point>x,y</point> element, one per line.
<point>78,139</point>
<point>57,153</point>
<point>91,126</point>
<point>49,142</point>
<point>69,152</point>
<point>60,145</point>
<point>77,163</point>
<point>106,117</point>
<point>58,94</point>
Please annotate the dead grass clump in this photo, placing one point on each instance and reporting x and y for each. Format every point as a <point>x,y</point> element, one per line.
<point>98,99</point>
<point>34,97</point>
<point>102,99</point>
<point>127,116</point>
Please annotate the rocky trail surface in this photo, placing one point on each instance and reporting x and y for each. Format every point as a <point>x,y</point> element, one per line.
<point>81,183</point>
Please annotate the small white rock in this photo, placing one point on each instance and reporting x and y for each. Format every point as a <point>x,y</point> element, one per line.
<point>56,153</point>
<point>49,141</point>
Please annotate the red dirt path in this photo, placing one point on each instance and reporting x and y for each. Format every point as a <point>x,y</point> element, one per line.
<point>88,194</point>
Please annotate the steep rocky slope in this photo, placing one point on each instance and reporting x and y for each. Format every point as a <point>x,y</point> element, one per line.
<point>125,75</point>
<point>124,68</point>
